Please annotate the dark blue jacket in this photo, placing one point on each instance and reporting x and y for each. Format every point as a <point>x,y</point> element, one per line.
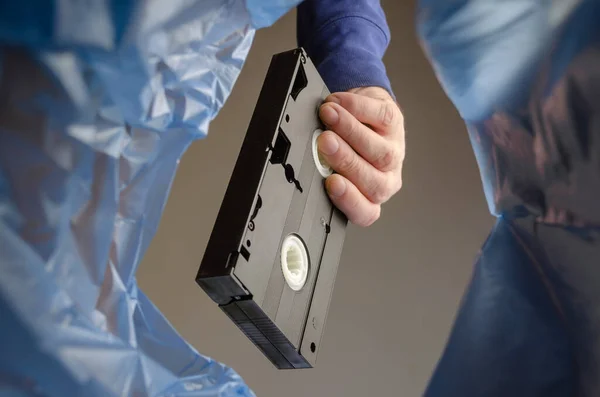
<point>346,40</point>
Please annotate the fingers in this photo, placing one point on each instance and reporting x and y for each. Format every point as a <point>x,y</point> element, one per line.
<point>380,114</point>
<point>364,145</point>
<point>345,196</point>
<point>371,182</point>
<point>373,147</point>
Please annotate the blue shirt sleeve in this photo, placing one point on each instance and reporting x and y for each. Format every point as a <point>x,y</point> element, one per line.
<point>346,39</point>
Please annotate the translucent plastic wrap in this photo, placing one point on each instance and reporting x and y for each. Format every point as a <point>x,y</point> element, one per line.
<point>525,76</point>
<point>98,101</point>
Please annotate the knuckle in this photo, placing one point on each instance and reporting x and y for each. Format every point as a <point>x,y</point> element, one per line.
<point>376,196</point>
<point>385,188</point>
<point>387,159</point>
<point>388,113</point>
<point>352,128</point>
<point>380,191</point>
<point>348,161</point>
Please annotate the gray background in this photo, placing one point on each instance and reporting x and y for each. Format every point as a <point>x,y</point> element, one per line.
<point>400,281</point>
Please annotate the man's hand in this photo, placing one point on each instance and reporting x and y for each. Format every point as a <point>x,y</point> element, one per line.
<point>364,145</point>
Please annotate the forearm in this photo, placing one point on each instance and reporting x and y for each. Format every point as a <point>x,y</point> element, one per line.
<point>347,40</point>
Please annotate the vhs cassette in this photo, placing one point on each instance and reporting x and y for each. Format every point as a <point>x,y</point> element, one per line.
<point>273,255</point>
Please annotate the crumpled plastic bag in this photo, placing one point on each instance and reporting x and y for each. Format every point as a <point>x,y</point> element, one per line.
<point>525,77</point>
<point>98,101</point>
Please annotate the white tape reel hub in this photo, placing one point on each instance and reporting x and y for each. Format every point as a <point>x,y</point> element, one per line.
<point>294,262</point>
<point>324,168</point>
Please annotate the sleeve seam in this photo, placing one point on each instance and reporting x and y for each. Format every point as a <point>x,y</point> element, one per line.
<point>337,19</point>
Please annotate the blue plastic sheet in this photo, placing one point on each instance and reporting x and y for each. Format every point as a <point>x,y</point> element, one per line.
<point>98,101</point>
<point>525,76</point>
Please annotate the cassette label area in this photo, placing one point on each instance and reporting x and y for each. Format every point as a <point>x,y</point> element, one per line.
<point>275,247</point>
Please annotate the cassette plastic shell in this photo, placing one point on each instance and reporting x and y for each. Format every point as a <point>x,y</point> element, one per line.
<point>276,190</point>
